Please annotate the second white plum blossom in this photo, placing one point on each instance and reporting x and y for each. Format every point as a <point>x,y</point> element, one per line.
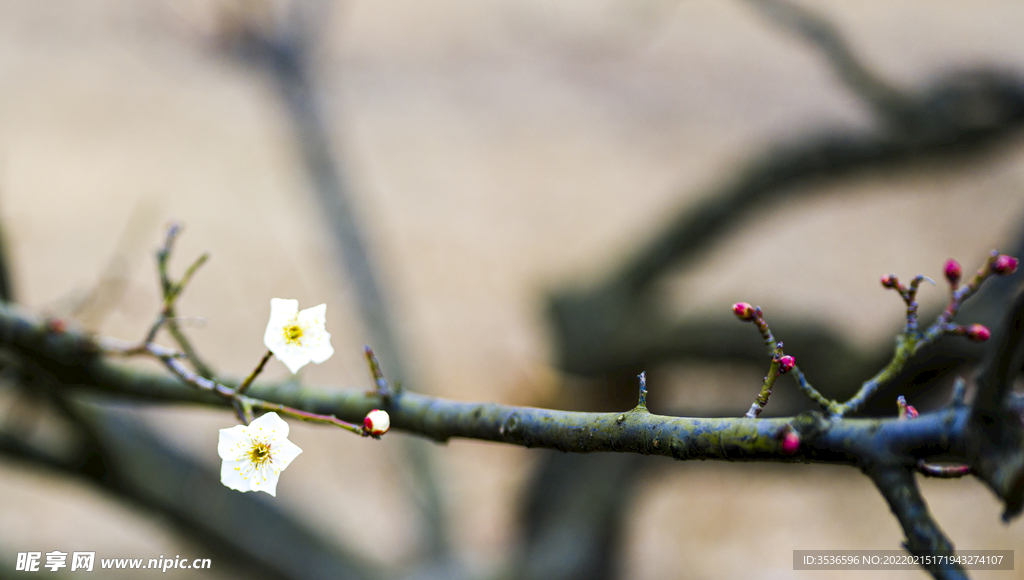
<point>297,338</point>
<point>254,455</point>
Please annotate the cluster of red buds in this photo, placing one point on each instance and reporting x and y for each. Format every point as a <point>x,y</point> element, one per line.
<point>999,264</point>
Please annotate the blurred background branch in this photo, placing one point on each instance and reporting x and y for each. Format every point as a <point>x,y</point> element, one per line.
<point>281,44</point>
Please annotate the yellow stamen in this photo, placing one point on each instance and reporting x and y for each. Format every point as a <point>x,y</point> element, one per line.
<point>259,454</point>
<point>293,333</point>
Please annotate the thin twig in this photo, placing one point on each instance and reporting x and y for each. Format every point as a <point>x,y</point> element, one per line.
<point>255,372</point>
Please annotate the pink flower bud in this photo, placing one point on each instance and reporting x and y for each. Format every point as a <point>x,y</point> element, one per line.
<point>377,422</point>
<point>743,311</point>
<point>889,281</point>
<point>912,412</point>
<point>790,442</point>
<point>56,325</point>
<point>978,333</point>
<point>786,364</point>
<point>1005,265</point>
<point>953,271</point>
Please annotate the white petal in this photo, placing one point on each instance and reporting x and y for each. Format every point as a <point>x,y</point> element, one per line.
<point>283,309</point>
<point>315,317</point>
<point>320,352</point>
<point>293,358</point>
<point>233,443</point>
<point>284,452</point>
<point>268,425</point>
<point>265,480</point>
<point>282,313</point>
<point>232,474</point>
<point>274,340</point>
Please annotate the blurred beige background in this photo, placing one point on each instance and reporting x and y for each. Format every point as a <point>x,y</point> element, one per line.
<point>497,150</point>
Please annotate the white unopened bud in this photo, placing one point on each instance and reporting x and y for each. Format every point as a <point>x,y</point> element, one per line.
<point>377,422</point>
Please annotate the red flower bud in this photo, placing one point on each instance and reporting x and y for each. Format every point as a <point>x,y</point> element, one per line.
<point>978,333</point>
<point>377,422</point>
<point>953,271</point>
<point>743,311</point>
<point>790,442</point>
<point>786,364</point>
<point>1005,265</point>
<point>889,281</point>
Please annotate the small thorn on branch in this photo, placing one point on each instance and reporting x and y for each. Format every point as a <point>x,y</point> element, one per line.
<point>643,390</point>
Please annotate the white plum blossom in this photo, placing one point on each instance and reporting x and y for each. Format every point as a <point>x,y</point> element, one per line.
<point>296,338</point>
<point>255,455</point>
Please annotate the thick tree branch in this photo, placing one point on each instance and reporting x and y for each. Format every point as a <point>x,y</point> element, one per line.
<point>924,537</point>
<point>75,361</point>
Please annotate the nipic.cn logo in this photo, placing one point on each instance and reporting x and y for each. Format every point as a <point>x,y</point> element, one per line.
<point>84,561</point>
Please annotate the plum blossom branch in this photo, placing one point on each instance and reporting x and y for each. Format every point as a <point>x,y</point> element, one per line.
<point>911,340</point>
<point>781,363</point>
<point>295,337</point>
